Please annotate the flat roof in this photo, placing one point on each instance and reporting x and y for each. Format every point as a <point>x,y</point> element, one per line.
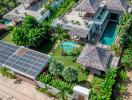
<point>81,90</point>
<point>22,60</point>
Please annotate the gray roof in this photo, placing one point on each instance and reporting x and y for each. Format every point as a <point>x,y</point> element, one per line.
<point>94,57</point>
<point>85,6</point>
<point>91,6</point>
<point>77,31</point>
<point>26,1</point>
<point>13,17</point>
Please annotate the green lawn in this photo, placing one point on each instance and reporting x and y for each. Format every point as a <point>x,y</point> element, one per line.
<point>7,37</point>
<point>69,61</point>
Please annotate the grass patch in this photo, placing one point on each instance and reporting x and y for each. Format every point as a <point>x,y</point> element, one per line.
<point>7,37</point>
<point>69,61</point>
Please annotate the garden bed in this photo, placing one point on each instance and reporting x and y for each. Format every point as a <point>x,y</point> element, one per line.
<point>69,60</point>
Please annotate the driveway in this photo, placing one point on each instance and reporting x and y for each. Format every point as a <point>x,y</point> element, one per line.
<point>22,91</point>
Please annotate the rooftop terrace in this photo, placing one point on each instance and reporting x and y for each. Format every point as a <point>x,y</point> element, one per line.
<point>19,12</point>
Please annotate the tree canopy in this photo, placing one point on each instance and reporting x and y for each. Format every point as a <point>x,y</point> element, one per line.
<point>31,33</point>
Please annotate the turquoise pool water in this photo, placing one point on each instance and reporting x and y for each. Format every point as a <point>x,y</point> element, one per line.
<point>68,46</point>
<point>6,21</point>
<point>109,34</point>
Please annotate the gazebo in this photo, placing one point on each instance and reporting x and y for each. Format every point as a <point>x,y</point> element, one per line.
<point>95,58</point>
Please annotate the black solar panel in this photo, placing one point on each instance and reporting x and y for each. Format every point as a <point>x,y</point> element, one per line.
<point>6,50</point>
<point>30,63</point>
<point>22,60</point>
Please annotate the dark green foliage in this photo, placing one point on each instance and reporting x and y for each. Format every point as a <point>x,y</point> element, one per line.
<point>62,85</point>
<point>6,5</point>
<point>70,74</point>
<point>56,68</point>
<point>19,37</point>
<point>31,33</point>
<point>122,74</point>
<point>59,84</point>
<point>6,72</point>
<point>106,88</point>
<point>45,78</point>
<point>29,23</point>
<point>121,88</point>
<point>127,58</point>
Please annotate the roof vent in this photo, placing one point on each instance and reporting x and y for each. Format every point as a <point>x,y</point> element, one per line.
<point>103,4</point>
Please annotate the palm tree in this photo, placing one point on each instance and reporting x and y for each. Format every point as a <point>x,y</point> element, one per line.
<point>59,33</point>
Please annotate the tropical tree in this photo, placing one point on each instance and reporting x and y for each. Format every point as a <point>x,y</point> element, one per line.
<point>35,37</point>
<point>6,5</point>
<point>29,22</point>
<point>19,36</point>
<point>59,34</point>
<point>56,68</point>
<point>70,74</point>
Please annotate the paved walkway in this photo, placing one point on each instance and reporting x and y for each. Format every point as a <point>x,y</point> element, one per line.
<point>23,91</point>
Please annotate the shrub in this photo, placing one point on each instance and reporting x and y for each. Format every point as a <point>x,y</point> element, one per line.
<point>70,74</point>
<point>44,78</point>
<point>106,88</point>
<point>6,72</point>
<point>121,88</point>
<point>56,68</point>
<point>123,75</point>
<point>61,85</point>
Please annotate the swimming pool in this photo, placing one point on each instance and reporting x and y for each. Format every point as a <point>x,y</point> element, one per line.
<point>68,46</point>
<point>109,34</point>
<point>6,21</point>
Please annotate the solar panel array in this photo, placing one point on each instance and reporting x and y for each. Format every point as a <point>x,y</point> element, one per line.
<point>30,63</point>
<point>6,50</point>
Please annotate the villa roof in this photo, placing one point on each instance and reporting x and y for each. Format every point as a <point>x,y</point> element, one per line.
<point>91,6</point>
<point>77,31</point>
<point>26,1</point>
<point>13,17</point>
<point>94,57</point>
<point>85,6</point>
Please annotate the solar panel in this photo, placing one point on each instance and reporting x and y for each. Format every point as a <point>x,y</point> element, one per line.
<point>6,50</point>
<point>27,61</point>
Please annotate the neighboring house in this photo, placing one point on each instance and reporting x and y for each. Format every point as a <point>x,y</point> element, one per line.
<point>95,58</point>
<point>28,7</point>
<point>25,63</point>
<point>92,17</point>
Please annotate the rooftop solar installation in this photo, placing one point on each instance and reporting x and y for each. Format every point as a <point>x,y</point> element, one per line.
<point>6,50</point>
<point>27,62</point>
<point>22,60</point>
